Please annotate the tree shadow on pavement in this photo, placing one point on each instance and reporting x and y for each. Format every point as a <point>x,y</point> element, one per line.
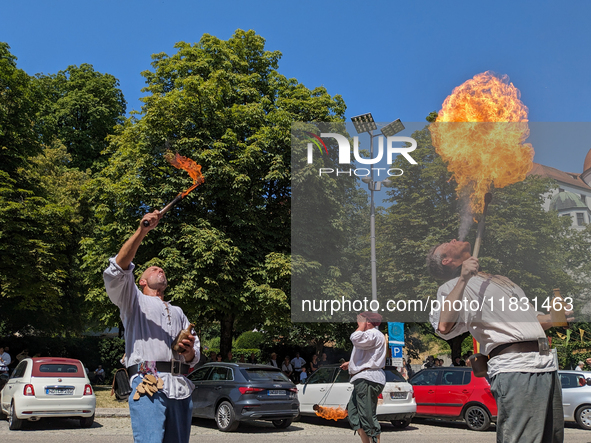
<point>248,427</point>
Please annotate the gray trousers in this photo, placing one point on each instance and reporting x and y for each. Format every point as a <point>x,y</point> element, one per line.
<point>529,407</point>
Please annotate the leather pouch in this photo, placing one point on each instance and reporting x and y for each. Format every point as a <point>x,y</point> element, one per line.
<point>479,363</point>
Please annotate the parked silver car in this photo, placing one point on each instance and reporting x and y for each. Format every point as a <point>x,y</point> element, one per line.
<point>576,397</point>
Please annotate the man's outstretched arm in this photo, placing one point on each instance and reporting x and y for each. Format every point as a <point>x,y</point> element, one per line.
<point>130,247</point>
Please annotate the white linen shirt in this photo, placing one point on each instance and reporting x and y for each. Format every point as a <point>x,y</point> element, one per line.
<point>496,324</point>
<point>151,326</point>
<point>369,356</point>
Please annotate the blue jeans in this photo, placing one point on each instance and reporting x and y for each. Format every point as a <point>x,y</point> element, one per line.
<point>158,418</point>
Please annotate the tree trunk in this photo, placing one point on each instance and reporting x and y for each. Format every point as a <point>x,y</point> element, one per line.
<point>227,328</point>
<point>319,347</point>
<point>456,345</point>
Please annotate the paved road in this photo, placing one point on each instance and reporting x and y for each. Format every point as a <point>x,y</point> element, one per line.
<point>119,430</point>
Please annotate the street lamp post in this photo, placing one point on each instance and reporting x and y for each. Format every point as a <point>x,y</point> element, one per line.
<point>366,123</point>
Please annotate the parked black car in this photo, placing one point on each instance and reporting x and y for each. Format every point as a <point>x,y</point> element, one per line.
<point>234,392</point>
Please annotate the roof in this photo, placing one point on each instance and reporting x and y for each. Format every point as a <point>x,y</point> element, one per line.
<point>447,368</point>
<point>54,360</point>
<point>566,200</point>
<point>587,163</point>
<point>239,365</point>
<point>568,178</point>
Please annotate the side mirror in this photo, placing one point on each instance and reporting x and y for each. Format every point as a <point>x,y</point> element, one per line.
<point>589,382</point>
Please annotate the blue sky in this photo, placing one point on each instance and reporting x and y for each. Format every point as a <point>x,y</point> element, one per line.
<point>394,59</point>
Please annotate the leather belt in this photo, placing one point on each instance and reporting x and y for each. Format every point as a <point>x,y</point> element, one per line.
<point>522,346</point>
<point>175,367</point>
<point>359,372</point>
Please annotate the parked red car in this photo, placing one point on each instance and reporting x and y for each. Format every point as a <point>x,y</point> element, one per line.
<point>454,393</point>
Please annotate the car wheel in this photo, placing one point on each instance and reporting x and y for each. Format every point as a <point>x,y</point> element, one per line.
<point>583,417</point>
<point>86,422</point>
<point>225,417</point>
<point>14,423</point>
<point>282,424</point>
<point>400,424</point>
<point>477,418</point>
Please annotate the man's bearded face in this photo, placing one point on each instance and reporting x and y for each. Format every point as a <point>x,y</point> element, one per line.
<point>155,278</point>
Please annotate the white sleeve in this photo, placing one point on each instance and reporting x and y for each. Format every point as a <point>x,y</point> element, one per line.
<point>366,339</point>
<point>120,285</point>
<point>459,326</point>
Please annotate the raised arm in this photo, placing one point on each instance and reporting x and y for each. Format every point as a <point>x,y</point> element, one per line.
<point>449,316</point>
<point>130,247</point>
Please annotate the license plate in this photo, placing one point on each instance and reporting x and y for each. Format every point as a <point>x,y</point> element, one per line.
<point>275,392</point>
<point>398,395</point>
<point>54,391</point>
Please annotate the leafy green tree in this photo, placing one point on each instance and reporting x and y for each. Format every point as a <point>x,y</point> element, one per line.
<point>536,249</point>
<point>80,107</point>
<point>41,211</point>
<point>226,247</point>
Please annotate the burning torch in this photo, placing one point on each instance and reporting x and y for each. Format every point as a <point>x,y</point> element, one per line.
<point>480,232</point>
<point>194,170</point>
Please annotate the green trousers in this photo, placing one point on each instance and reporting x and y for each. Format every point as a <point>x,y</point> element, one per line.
<point>529,407</point>
<point>362,407</point>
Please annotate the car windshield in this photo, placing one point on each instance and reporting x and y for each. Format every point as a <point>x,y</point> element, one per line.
<point>264,375</point>
<point>392,375</point>
<point>58,369</point>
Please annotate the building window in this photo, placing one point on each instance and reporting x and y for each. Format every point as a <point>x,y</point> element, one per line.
<point>580,219</point>
<point>584,198</point>
<point>560,190</point>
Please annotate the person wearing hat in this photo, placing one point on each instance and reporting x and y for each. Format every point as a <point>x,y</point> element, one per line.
<point>366,373</point>
<point>273,361</point>
<point>580,366</point>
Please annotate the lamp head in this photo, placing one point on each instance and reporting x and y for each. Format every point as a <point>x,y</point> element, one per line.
<point>364,123</point>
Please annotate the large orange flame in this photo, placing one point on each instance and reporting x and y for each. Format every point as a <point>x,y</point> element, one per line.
<point>194,170</point>
<point>330,413</point>
<point>479,133</point>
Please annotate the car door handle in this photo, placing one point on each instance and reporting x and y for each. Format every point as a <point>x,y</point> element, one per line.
<point>465,391</point>
<point>217,388</point>
<point>431,392</point>
<point>349,389</point>
<point>322,389</point>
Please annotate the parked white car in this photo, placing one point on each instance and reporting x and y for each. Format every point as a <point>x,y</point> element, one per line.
<point>576,397</point>
<point>396,403</point>
<point>48,387</point>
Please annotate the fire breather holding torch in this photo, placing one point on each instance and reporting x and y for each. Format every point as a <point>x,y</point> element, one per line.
<point>480,232</point>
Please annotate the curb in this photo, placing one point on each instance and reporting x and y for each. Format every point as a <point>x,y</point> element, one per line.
<point>111,412</point>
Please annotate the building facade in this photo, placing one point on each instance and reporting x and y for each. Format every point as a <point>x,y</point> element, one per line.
<point>573,196</point>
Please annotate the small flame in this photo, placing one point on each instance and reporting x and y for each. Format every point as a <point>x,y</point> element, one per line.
<point>330,413</point>
<point>194,170</point>
<point>478,149</point>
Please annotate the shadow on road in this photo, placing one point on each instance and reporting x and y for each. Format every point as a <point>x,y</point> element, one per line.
<point>248,427</point>
<point>53,424</point>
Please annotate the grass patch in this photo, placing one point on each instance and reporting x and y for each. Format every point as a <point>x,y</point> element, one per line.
<point>105,400</point>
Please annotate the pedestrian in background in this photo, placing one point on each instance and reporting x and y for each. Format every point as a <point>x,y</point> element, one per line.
<point>4,359</point>
<point>367,376</point>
